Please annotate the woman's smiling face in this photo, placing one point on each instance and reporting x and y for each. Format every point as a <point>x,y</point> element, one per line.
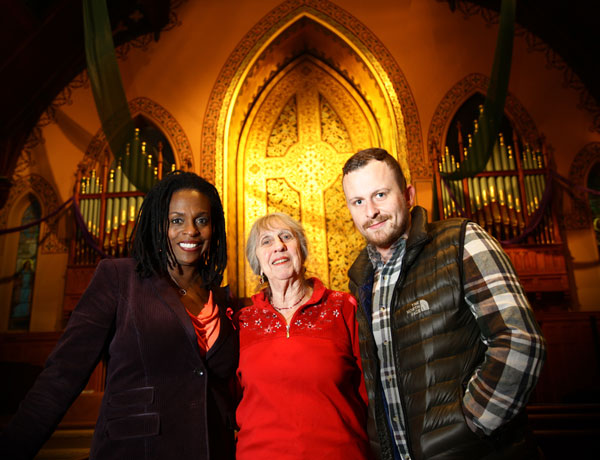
<point>279,253</point>
<point>190,227</point>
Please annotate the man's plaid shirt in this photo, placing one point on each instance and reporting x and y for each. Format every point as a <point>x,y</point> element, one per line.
<point>515,352</point>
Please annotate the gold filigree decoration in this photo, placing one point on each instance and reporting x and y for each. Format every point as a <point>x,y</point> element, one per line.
<point>296,182</point>
<point>282,198</point>
<point>346,28</point>
<point>579,216</point>
<point>333,130</point>
<point>285,131</point>
<point>25,163</point>
<point>343,240</point>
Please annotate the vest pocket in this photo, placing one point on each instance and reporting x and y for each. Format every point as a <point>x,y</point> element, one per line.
<point>133,426</point>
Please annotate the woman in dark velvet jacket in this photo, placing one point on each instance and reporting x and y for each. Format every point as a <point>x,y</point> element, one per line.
<point>162,320</point>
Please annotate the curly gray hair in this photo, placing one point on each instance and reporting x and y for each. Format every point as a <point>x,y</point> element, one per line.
<point>269,222</point>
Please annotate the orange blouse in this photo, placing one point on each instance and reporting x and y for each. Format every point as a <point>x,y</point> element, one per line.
<point>206,324</point>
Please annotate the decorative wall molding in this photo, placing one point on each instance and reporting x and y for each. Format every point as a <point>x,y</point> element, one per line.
<point>458,94</point>
<point>143,41</point>
<point>25,163</point>
<point>535,44</point>
<point>48,198</point>
<point>167,123</point>
<point>580,216</point>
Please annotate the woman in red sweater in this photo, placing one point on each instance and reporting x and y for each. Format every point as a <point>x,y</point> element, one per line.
<point>303,392</point>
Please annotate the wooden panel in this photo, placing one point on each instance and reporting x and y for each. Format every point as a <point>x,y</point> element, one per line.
<point>565,431</point>
<point>22,357</point>
<point>27,347</point>
<point>540,268</point>
<point>77,279</point>
<point>572,370</point>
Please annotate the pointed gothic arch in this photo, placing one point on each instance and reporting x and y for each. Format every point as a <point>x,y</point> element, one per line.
<point>578,213</point>
<point>333,40</point>
<point>45,193</point>
<point>162,119</point>
<point>458,94</point>
<point>11,214</point>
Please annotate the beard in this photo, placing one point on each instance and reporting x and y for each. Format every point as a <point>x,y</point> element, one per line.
<point>389,234</point>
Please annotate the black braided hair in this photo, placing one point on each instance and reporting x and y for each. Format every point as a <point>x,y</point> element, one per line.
<point>150,245</point>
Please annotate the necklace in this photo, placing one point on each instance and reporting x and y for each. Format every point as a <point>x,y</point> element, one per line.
<point>293,306</point>
<point>181,290</point>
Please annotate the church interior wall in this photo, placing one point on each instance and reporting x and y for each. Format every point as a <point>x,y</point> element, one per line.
<point>8,246</point>
<point>46,312</point>
<point>434,48</point>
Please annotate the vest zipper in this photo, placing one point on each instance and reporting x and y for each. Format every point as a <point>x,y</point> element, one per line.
<point>399,283</point>
<point>287,331</point>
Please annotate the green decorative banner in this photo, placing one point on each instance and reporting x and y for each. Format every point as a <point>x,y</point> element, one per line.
<point>489,120</point>
<point>109,94</point>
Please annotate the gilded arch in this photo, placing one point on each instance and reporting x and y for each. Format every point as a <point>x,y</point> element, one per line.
<point>343,27</point>
<point>298,135</point>
<point>320,32</point>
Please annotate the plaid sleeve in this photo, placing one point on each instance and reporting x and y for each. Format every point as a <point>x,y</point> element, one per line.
<point>516,350</point>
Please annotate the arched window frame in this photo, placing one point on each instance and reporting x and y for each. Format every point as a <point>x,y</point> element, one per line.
<point>578,215</point>
<point>10,217</point>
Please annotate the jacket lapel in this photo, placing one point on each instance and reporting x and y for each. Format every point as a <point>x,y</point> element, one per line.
<point>170,299</point>
<point>225,327</point>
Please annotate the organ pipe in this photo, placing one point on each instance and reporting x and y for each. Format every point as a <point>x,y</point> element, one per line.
<point>109,201</point>
<point>504,197</point>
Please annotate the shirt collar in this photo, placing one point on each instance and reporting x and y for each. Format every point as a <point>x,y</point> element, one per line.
<point>397,250</point>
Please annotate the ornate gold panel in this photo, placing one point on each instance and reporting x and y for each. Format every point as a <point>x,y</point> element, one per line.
<point>302,129</point>
<point>281,197</point>
<point>343,241</point>
<point>285,131</point>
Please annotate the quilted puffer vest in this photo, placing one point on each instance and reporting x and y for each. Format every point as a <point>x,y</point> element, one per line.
<point>436,342</point>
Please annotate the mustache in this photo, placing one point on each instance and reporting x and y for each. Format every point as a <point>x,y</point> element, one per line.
<point>379,219</point>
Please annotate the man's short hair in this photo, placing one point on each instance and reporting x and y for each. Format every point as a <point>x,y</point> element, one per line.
<point>360,159</point>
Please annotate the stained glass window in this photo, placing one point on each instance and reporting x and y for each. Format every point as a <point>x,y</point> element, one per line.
<point>22,292</point>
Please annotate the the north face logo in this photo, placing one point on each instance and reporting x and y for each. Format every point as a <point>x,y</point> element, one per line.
<point>418,308</point>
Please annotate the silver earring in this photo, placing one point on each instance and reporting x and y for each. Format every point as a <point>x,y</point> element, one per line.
<point>263,278</point>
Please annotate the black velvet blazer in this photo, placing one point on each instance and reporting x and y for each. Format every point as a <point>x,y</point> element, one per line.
<point>163,400</point>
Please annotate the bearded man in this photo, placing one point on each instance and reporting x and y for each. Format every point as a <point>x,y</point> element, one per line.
<point>450,347</point>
